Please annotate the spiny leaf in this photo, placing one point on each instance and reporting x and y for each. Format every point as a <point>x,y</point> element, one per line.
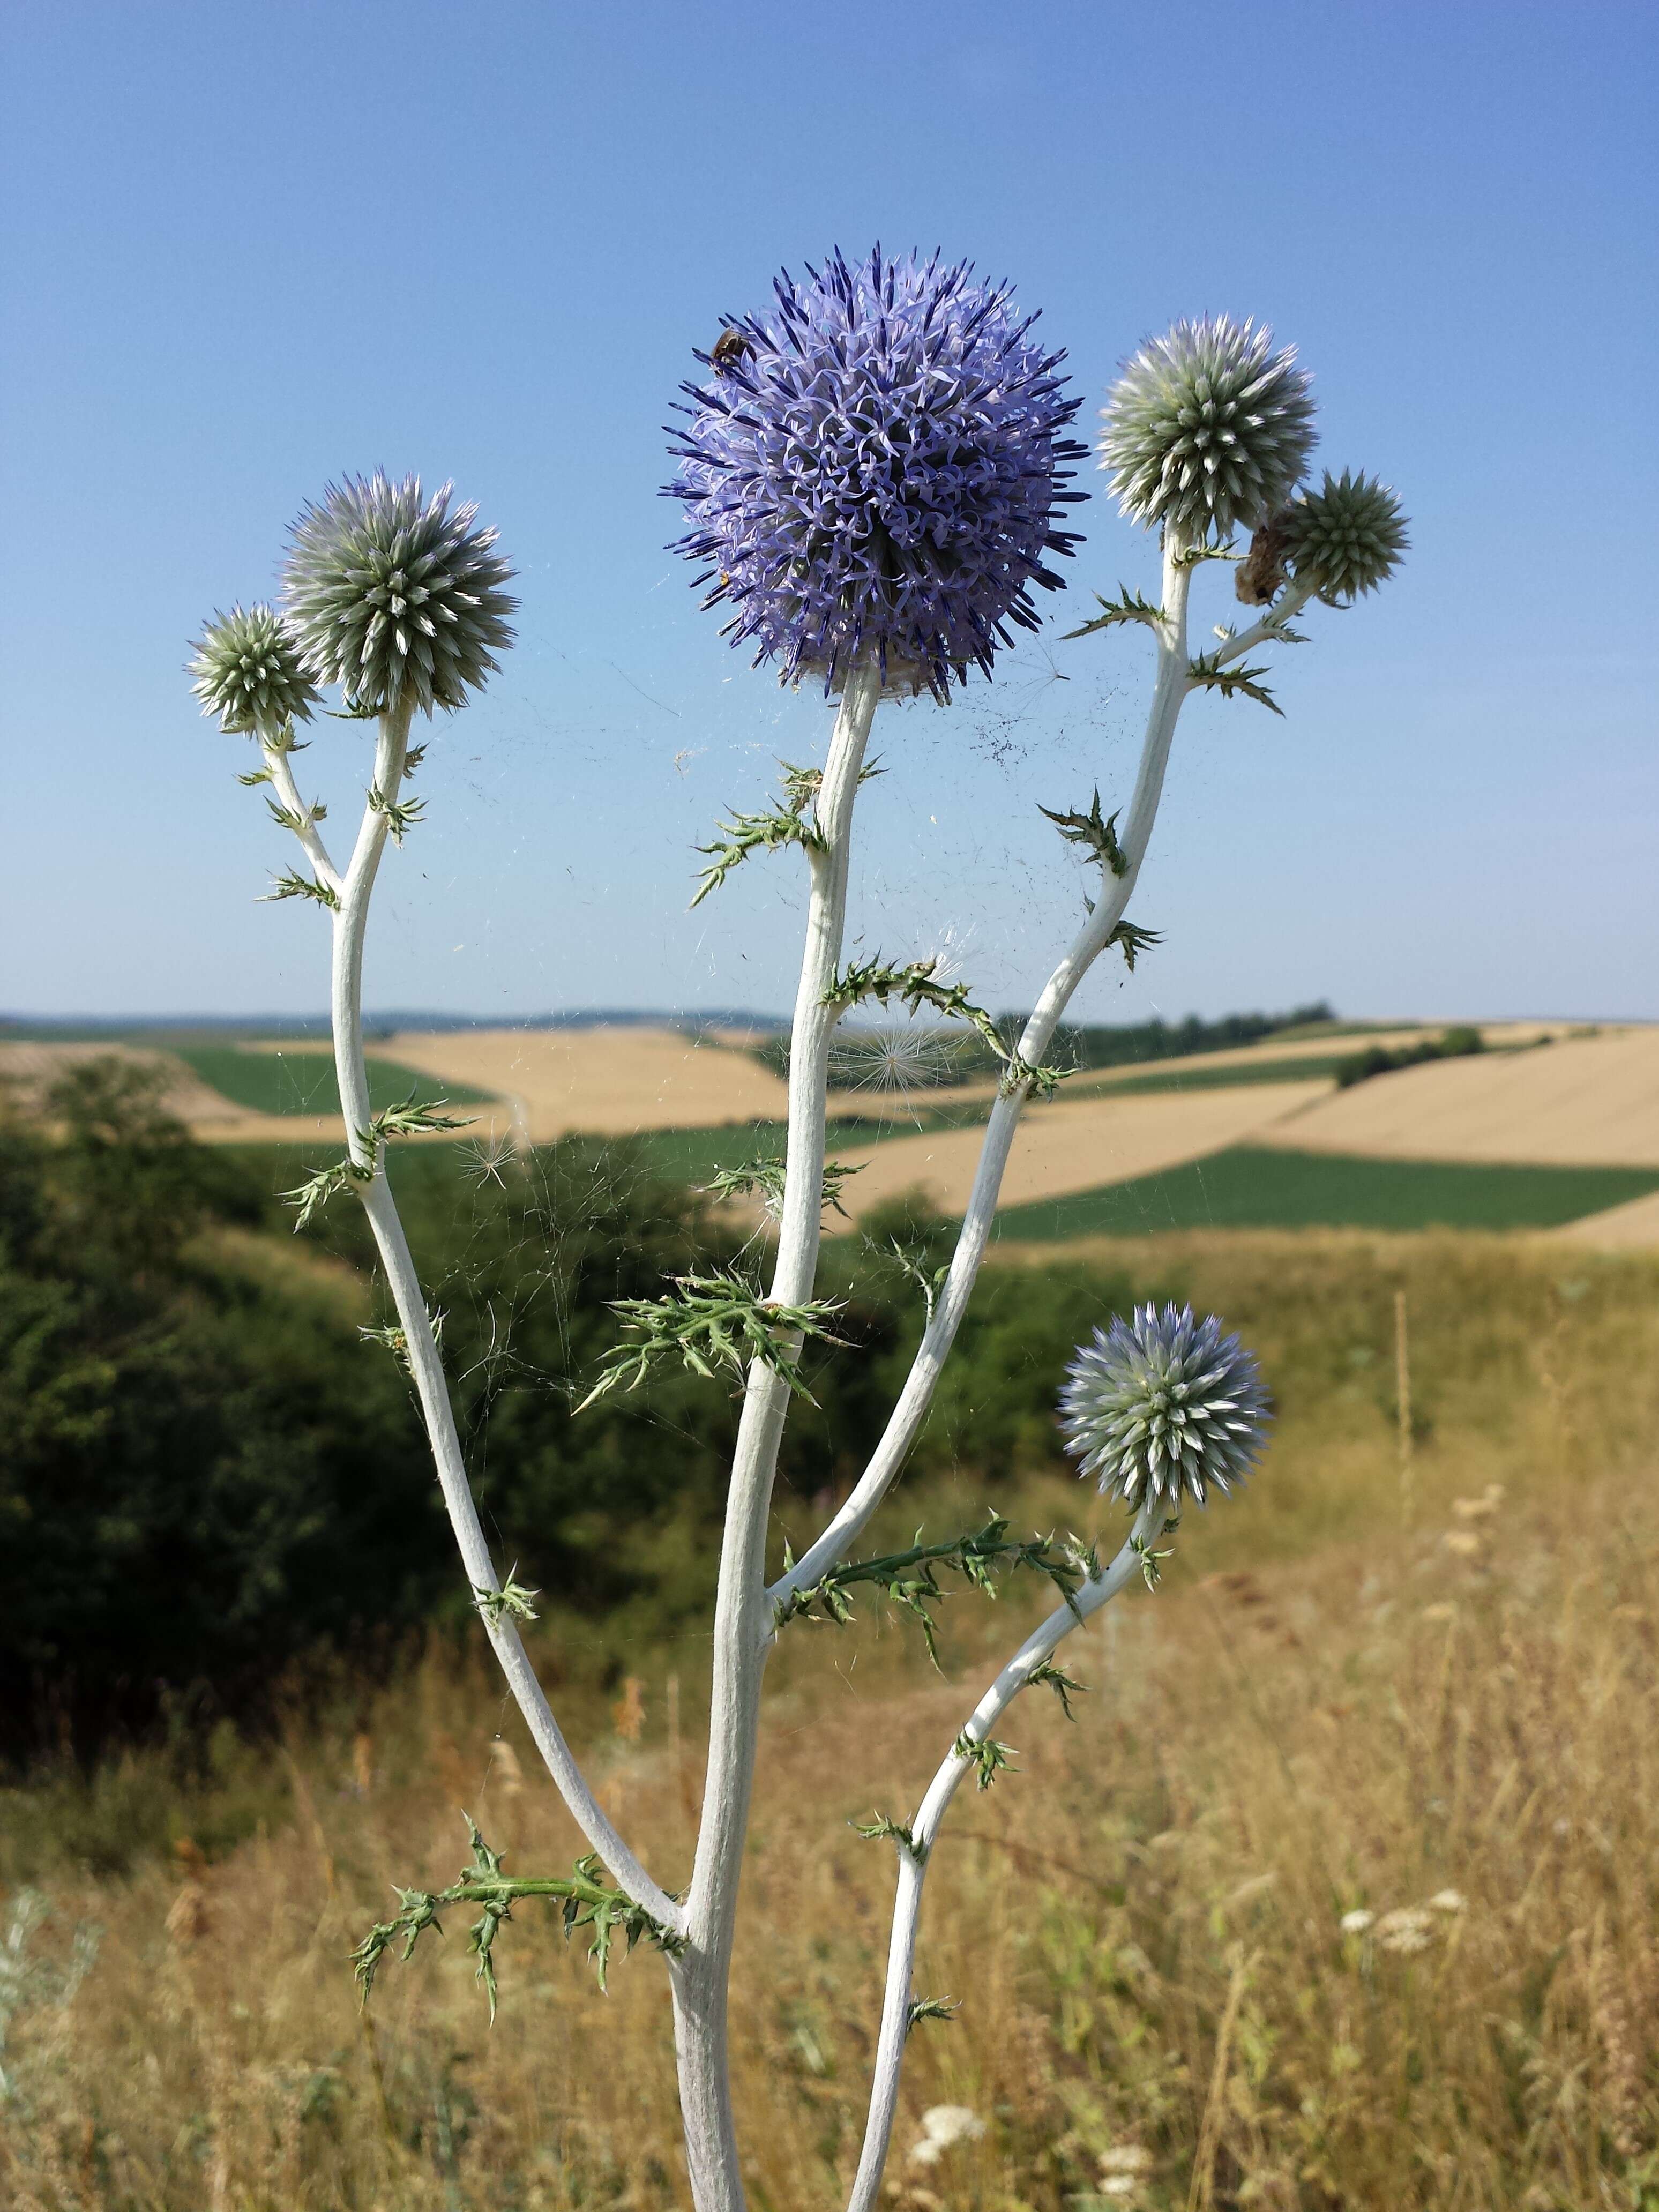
<point>910,1579</point>
<point>893,1831</point>
<point>1062,1685</point>
<point>400,814</point>
<point>1208,674</point>
<point>310,1196</point>
<point>286,815</point>
<point>706,1322</point>
<point>931,2008</point>
<point>986,1754</point>
<point>585,1901</point>
<point>512,1599</point>
<point>289,886</point>
<point>1098,834</point>
<point>1132,942</point>
<point>764,1179</point>
<point>1128,607</point>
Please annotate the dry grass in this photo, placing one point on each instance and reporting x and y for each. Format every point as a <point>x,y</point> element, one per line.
<point>1323,1712</point>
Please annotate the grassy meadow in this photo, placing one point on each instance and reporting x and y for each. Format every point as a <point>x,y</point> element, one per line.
<point>1410,1675</point>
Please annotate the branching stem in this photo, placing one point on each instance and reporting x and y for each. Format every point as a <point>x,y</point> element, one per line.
<point>425,1364</point>
<point>1031,1657</point>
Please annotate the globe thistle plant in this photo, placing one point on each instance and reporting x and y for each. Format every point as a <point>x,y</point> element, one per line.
<point>1345,538</point>
<point>248,669</point>
<point>396,597</point>
<point>1208,429</point>
<point>1163,1406</point>
<point>874,471</point>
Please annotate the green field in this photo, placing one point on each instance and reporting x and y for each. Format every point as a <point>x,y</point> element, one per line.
<point>1251,1187</point>
<point>302,1082</point>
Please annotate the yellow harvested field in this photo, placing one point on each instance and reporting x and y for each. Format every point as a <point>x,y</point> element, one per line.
<point>603,1082</point>
<point>1632,1227</point>
<point>1073,1145</point>
<point>1585,1101</point>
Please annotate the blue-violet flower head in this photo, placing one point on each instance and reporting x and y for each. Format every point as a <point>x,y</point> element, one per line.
<point>1208,429</point>
<point>873,472</point>
<point>1163,1406</point>
<point>1345,538</point>
<point>396,597</point>
<point>249,671</point>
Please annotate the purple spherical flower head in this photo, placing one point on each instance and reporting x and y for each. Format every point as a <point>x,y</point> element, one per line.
<point>873,471</point>
<point>1163,1406</point>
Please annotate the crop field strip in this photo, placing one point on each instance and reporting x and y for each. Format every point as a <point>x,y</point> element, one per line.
<point>1255,1187</point>
<point>301,1082</point>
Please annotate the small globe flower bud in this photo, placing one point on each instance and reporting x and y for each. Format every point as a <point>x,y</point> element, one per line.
<point>1208,430</point>
<point>1163,1406</point>
<point>1345,538</point>
<point>397,600</point>
<point>873,473</point>
<point>248,670</point>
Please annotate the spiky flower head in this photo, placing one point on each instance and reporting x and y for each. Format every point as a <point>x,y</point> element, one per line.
<point>1346,538</point>
<point>872,472</point>
<point>1163,1406</point>
<point>248,670</point>
<point>396,597</point>
<point>1208,429</point>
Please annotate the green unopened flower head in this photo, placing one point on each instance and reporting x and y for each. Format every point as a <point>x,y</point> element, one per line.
<point>1346,538</point>
<point>1208,429</point>
<point>396,598</point>
<point>249,672</point>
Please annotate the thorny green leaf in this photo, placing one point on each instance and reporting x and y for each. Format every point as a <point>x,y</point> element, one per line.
<point>910,1579</point>
<point>285,815</point>
<point>764,1179</point>
<point>310,1196</point>
<point>766,832</point>
<point>400,814</point>
<point>512,1599</point>
<point>895,1831</point>
<point>1098,834</point>
<point>1062,1685</point>
<point>289,886</point>
<point>586,1903</point>
<point>931,2008</point>
<point>709,1322</point>
<point>985,1754</point>
<point>256,776</point>
<point>1208,674</point>
<point>413,758</point>
<point>930,1286</point>
<point>393,1339</point>
<point>1151,1572</point>
<point>1132,942</point>
<point>1196,554</point>
<point>409,1120</point>
<point>1127,607</point>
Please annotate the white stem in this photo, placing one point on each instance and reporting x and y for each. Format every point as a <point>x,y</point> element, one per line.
<point>915,1399</point>
<point>280,766</point>
<point>742,1615</point>
<point>1036,1649</point>
<point>350,924</point>
<point>1265,631</point>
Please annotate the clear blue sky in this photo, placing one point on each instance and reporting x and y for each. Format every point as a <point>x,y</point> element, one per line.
<point>250,246</point>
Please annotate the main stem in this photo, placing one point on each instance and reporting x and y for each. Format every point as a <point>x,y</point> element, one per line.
<point>425,1365</point>
<point>742,1612</point>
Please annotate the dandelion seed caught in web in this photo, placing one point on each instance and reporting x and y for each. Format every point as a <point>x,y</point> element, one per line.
<point>892,1063</point>
<point>485,1158</point>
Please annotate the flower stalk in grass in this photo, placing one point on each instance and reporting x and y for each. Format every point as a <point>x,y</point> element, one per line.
<point>874,473</point>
